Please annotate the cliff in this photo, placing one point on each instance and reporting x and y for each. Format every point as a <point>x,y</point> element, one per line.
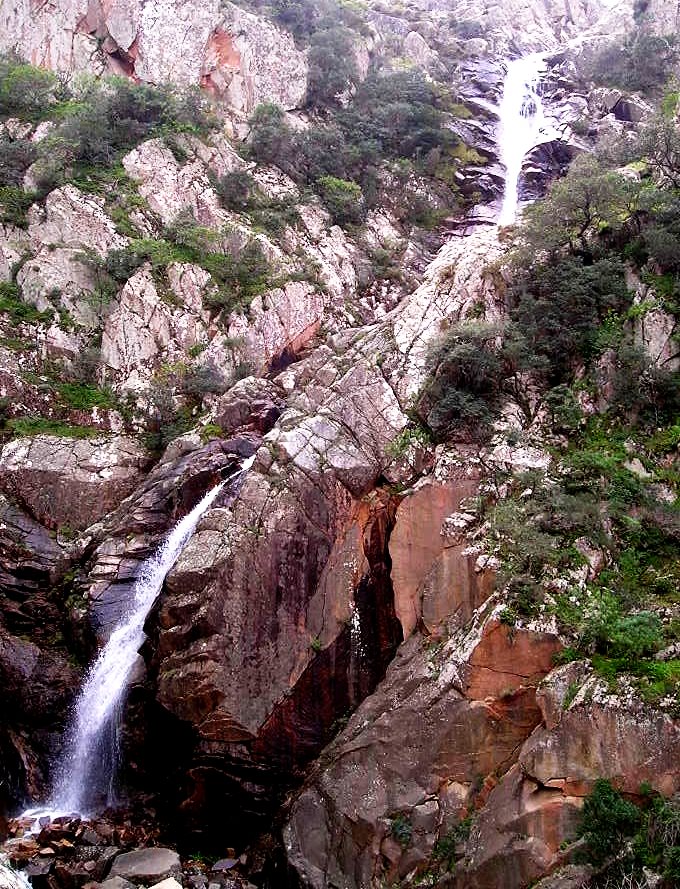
<point>440,611</point>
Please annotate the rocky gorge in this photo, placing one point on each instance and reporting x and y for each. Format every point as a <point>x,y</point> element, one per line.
<point>435,624</point>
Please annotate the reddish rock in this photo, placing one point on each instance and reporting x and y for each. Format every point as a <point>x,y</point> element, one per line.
<point>438,730</point>
<point>433,577</point>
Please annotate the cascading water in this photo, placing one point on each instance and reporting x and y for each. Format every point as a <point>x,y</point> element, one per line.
<point>522,125</point>
<point>10,878</point>
<point>86,776</point>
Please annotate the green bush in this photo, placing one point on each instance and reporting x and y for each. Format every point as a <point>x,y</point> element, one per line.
<point>343,199</point>
<point>16,156</point>
<point>642,62</point>
<point>12,304</point>
<point>236,189</point>
<point>606,821</point>
<point>25,91</point>
<point>14,205</point>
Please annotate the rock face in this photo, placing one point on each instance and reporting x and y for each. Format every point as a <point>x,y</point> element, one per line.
<point>63,481</point>
<point>447,719</point>
<point>216,45</point>
<point>531,815</point>
<point>277,620</point>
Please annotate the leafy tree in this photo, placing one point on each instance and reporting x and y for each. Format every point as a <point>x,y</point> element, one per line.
<point>659,143</point>
<point>560,306</point>
<point>332,69</point>
<point>577,208</point>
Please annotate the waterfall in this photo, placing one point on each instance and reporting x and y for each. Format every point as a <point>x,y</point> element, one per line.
<point>522,125</point>
<point>11,879</point>
<point>86,775</point>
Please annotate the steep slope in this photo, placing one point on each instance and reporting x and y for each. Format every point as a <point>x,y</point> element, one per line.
<point>397,573</point>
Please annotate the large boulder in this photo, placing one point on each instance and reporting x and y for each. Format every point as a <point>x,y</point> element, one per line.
<point>148,866</point>
<point>71,482</point>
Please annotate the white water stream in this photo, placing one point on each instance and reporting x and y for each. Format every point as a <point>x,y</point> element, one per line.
<point>522,125</point>
<point>10,878</point>
<point>85,778</point>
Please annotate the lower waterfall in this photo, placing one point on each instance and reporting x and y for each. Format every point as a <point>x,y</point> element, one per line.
<point>85,778</point>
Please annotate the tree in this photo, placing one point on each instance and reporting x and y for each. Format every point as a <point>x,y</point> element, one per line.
<point>659,145</point>
<point>588,200</point>
<point>332,69</point>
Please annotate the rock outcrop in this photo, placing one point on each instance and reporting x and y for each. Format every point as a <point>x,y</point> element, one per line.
<point>450,716</point>
<point>217,45</point>
<point>70,482</point>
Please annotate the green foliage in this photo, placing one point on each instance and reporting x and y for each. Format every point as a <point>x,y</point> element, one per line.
<point>237,278</point>
<point>93,126</point>
<point>589,200</point>
<point>236,189</point>
<point>622,839</point>
<point>82,396</point>
<point>269,137</point>
<point>332,69</point>
<point>16,156</point>
<point>606,820</point>
<point>30,426</point>
<point>12,304</point>
<point>14,205</point>
<point>641,63</point>
<point>402,830</point>
<point>393,117</point>
<point>25,91</point>
<point>343,199</point>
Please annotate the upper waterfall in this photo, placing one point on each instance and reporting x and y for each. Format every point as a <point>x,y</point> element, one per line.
<point>522,125</point>
<point>86,775</point>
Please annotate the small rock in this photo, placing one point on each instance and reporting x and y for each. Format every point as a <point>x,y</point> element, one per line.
<point>146,865</point>
<point>89,837</point>
<point>170,883</point>
<point>117,883</point>
<point>224,864</point>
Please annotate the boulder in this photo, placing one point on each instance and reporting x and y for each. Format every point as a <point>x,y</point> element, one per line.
<point>71,482</point>
<point>149,866</point>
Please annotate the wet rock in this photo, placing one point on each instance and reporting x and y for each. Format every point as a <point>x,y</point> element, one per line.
<point>147,865</point>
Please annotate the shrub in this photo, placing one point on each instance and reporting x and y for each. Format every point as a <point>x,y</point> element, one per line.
<point>643,62</point>
<point>25,91</point>
<point>606,821</point>
<point>269,139</point>
<point>16,156</point>
<point>12,303</point>
<point>343,199</point>
<point>236,189</point>
<point>14,205</point>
